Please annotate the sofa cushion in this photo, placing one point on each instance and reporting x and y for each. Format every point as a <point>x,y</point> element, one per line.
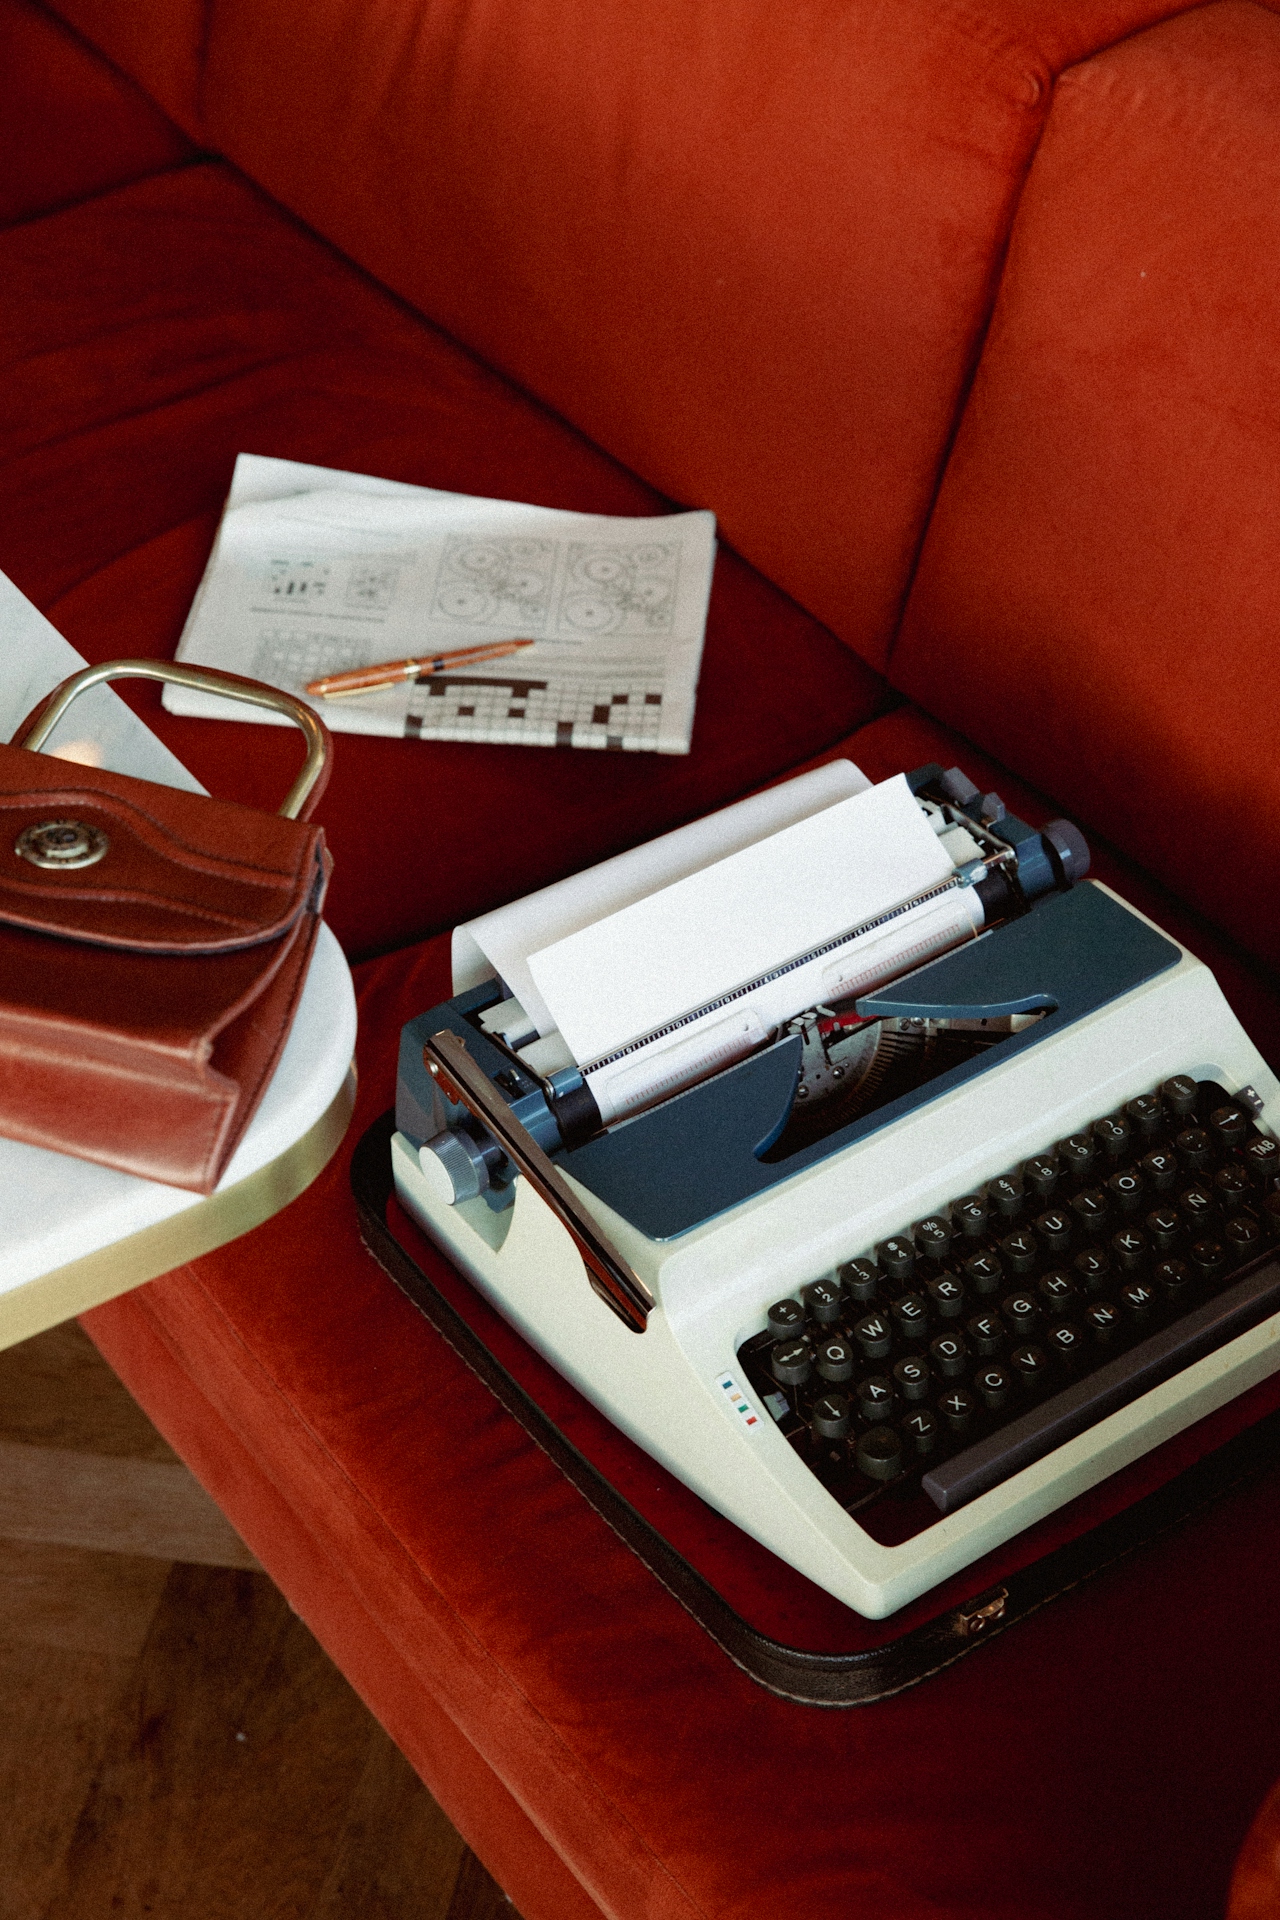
<point>155,332</point>
<point>1099,594</point>
<point>70,125</point>
<point>751,251</point>
<point>1100,1761</point>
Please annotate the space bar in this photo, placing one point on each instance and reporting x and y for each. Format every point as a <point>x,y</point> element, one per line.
<point>1005,1452</point>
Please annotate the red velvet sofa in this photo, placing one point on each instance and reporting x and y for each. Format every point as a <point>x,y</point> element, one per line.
<point>961,317</point>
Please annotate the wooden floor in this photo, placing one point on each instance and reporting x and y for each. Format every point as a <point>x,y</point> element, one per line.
<point>174,1745</point>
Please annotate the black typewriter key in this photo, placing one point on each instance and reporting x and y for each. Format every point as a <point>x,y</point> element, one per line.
<point>786,1318</point>
<point>987,1334</point>
<point>984,1273</point>
<point>1160,1169</point>
<point>831,1418</point>
<point>933,1236</point>
<point>897,1257</point>
<point>1207,1259</point>
<point>957,1407</point>
<point>1231,1188</point>
<point>1137,1301</point>
<point>1195,1203</point>
<point>875,1397</point>
<point>921,1429</point>
<point>1054,1228</point>
<point>1129,1249</point>
<point>1058,1291</point>
<point>949,1355</point>
<point>1021,1312</point>
<point>1092,1209</point>
<point>1042,1174</point>
<point>947,1296</point>
<point>1007,1195</point>
<point>911,1316</point>
<point>1145,1114</point>
<point>1077,1153</point>
<point>1180,1095</point>
<point>792,1362</point>
<point>1195,1148</point>
<point>874,1335</point>
<point>825,1301</point>
<point>1019,1250</point>
<point>1093,1267</point>
<point>834,1360</point>
<point>880,1454</point>
<point>1173,1278</point>
<point>1127,1190</point>
<point>1102,1323</point>
<point>1271,1214</point>
<point>970,1215</point>
<point>1114,1134</point>
<point>1165,1226</point>
<point>861,1280</point>
<point>1066,1343</point>
<point>913,1379</point>
<point>994,1386</point>
<point>1230,1124</point>
<point>1030,1367</point>
<point>1243,1237</point>
<point>1262,1157</point>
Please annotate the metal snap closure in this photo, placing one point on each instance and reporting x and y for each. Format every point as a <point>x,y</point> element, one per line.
<point>61,843</point>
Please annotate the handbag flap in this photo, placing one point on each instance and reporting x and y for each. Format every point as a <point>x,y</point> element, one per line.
<point>90,855</point>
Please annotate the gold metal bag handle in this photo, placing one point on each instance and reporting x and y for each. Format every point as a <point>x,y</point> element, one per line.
<point>315,768</point>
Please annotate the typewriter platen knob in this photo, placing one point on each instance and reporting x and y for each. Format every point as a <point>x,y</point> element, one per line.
<point>453,1166</point>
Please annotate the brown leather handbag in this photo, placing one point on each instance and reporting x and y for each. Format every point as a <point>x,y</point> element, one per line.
<point>153,945</point>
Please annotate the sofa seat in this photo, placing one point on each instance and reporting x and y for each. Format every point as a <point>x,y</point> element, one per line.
<point>1102,1759</point>
<point>150,334</point>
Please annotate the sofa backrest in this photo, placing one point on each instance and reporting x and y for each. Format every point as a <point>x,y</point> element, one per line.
<point>750,250</point>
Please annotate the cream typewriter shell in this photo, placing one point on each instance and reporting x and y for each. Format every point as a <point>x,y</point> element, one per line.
<point>713,1285</point>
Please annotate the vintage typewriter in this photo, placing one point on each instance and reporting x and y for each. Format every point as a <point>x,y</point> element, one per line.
<point>887,1270</point>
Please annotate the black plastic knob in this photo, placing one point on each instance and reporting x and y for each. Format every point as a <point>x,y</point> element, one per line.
<point>832,1417</point>
<point>1042,1174</point>
<point>946,1295</point>
<point>874,1335</point>
<point>1127,1190</point>
<point>957,1407</point>
<point>861,1280</point>
<point>792,1362</point>
<point>911,1376</point>
<point>1008,1195</point>
<point>834,1359</point>
<point>970,1215</point>
<point>1195,1148</point>
<point>880,1454</point>
<point>786,1319</point>
<point>949,1355</point>
<point>1093,1266</point>
<point>1114,1133</point>
<point>897,1257</point>
<point>1160,1169</point>
<point>825,1301</point>
<point>933,1236</point>
<point>994,1386</point>
<point>1020,1250</point>
<point>1146,1114</point>
<point>921,1429</point>
<point>984,1273</point>
<point>1180,1094</point>
<point>1021,1312</point>
<point>875,1397</point>
<point>1231,1124</point>
<point>1077,1153</point>
<point>1058,1292</point>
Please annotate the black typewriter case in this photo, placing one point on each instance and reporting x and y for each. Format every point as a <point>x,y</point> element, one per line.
<point>758,1610</point>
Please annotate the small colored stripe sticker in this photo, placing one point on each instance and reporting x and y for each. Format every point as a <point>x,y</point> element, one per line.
<point>736,1400</point>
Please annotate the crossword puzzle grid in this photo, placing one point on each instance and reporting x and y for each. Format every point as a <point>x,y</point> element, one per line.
<point>288,659</point>
<point>623,713</point>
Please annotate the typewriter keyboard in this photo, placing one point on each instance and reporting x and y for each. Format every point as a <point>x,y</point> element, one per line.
<point>973,1342</point>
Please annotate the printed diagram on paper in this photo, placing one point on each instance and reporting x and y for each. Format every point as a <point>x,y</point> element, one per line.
<point>315,571</point>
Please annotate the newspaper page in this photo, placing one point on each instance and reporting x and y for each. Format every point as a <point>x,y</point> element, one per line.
<point>315,571</point>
